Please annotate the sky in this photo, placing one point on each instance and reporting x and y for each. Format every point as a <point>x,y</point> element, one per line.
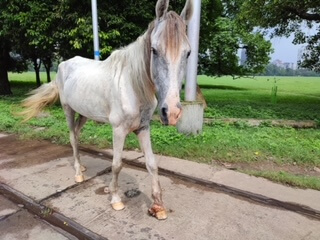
<point>284,50</point>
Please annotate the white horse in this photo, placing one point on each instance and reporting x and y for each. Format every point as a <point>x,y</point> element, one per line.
<point>123,90</point>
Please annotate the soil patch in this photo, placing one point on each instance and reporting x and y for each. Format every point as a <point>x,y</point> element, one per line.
<point>19,154</point>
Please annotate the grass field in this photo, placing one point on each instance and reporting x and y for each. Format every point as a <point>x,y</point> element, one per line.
<point>283,154</point>
<point>297,98</point>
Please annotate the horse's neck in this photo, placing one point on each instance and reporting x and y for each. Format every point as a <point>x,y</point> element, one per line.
<point>138,55</point>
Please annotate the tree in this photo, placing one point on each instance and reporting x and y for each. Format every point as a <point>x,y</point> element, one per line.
<point>45,29</point>
<point>284,18</point>
<point>5,88</point>
<point>5,48</point>
<point>8,34</point>
<point>27,32</point>
<point>120,23</point>
<point>222,37</point>
<point>37,41</point>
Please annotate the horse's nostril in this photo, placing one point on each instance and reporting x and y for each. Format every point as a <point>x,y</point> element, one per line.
<point>164,114</point>
<point>164,111</point>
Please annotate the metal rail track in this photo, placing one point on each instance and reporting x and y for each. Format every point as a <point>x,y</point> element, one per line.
<point>49,215</point>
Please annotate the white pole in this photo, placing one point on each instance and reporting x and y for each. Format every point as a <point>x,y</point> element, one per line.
<point>193,35</point>
<point>95,29</point>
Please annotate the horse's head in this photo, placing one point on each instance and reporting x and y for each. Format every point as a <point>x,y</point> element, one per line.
<point>170,49</point>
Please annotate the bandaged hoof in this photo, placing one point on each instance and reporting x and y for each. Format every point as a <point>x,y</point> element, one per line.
<point>117,206</point>
<point>83,168</point>
<point>79,178</point>
<point>162,215</point>
<point>158,212</point>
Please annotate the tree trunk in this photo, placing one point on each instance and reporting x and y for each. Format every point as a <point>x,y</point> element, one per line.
<point>47,64</point>
<point>5,88</point>
<point>37,65</point>
<point>48,75</point>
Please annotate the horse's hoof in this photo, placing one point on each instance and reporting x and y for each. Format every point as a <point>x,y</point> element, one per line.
<point>106,190</point>
<point>83,168</point>
<point>117,206</point>
<point>158,212</point>
<point>79,178</point>
<point>162,215</point>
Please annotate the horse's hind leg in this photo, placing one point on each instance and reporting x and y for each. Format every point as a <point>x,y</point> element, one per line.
<point>79,124</point>
<point>119,135</point>
<point>74,128</point>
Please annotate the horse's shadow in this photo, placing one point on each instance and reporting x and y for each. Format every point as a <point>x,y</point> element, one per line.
<point>133,190</point>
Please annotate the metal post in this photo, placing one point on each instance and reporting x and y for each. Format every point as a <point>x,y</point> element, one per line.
<point>193,35</point>
<point>191,121</point>
<point>95,29</point>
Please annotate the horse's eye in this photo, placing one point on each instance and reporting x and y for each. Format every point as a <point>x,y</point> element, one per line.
<point>154,51</point>
<point>188,54</point>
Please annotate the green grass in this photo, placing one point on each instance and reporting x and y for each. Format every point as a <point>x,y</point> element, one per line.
<point>297,99</point>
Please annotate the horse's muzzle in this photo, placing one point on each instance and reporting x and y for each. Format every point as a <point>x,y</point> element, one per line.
<point>170,117</point>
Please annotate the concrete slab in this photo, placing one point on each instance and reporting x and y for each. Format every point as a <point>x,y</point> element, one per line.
<point>24,226</point>
<point>307,197</point>
<point>7,208</point>
<point>41,180</point>
<point>3,135</point>
<point>194,213</point>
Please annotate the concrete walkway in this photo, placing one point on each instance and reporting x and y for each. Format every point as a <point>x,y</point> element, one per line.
<point>43,172</point>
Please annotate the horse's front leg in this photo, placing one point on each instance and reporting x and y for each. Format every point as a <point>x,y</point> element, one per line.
<point>119,135</point>
<point>157,209</point>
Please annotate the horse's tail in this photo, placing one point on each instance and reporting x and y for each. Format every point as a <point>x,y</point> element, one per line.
<point>41,97</point>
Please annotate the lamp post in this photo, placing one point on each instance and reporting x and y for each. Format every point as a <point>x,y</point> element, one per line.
<point>95,29</point>
<point>191,121</point>
<point>193,35</point>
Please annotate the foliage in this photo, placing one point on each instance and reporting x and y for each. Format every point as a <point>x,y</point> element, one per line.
<point>120,23</point>
<point>50,29</point>
<point>30,35</point>
<point>7,33</point>
<point>284,18</point>
<point>220,39</point>
<point>274,70</point>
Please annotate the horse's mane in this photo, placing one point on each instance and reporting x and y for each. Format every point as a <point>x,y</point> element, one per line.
<point>136,56</point>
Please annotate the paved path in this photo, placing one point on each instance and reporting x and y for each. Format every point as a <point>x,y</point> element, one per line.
<point>43,173</point>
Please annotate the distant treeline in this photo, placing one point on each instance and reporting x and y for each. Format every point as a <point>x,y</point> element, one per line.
<point>274,70</point>
<point>271,70</point>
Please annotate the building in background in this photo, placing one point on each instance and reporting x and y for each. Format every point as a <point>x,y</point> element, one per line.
<point>243,56</point>
<point>284,65</point>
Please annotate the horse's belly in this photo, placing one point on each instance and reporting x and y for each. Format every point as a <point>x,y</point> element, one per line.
<point>94,110</point>
<point>88,100</point>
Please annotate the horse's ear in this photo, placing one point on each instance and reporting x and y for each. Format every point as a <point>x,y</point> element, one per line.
<point>162,8</point>
<point>187,11</point>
